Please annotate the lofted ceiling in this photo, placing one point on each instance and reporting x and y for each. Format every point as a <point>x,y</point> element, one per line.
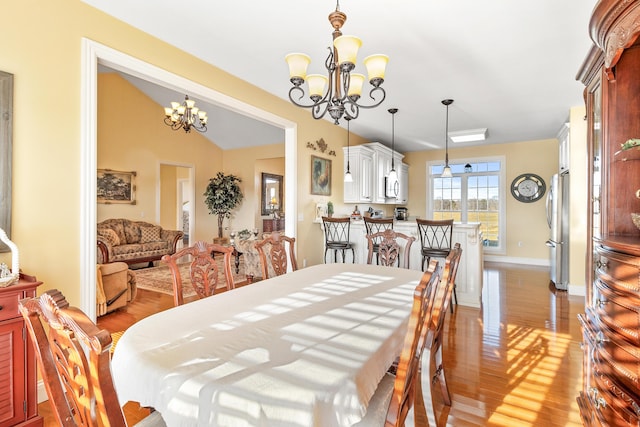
<point>509,65</point>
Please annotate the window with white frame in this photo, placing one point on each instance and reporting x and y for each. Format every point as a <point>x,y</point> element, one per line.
<point>474,193</point>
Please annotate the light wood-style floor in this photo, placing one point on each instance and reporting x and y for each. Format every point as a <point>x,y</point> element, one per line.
<point>515,362</point>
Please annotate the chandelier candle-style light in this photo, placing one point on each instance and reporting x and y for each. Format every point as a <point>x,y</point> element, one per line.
<point>344,86</point>
<point>446,172</point>
<point>186,116</point>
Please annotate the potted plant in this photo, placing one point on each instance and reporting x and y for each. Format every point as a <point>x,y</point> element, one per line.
<point>330,209</point>
<point>223,194</point>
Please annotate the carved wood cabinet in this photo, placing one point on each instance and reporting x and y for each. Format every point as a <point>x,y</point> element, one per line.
<point>611,322</point>
<point>18,374</point>
<point>272,224</point>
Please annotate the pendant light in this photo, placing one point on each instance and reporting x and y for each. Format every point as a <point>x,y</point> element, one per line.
<point>446,172</point>
<point>347,176</point>
<point>393,175</point>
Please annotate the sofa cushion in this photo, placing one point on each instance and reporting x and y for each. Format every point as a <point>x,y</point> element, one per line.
<point>149,234</point>
<point>117,226</point>
<point>109,235</point>
<point>132,231</point>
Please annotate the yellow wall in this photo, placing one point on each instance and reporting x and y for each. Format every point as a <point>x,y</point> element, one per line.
<point>526,222</point>
<point>243,163</point>
<point>46,60</point>
<point>143,145</point>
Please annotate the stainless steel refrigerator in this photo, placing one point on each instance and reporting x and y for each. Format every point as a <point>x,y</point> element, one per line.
<point>558,220</point>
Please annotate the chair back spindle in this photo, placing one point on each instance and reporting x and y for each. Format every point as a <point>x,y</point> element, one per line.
<point>388,248</point>
<point>274,247</point>
<point>203,269</point>
<point>73,357</point>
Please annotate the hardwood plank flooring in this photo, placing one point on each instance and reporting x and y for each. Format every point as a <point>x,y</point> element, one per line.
<point>515,362</point>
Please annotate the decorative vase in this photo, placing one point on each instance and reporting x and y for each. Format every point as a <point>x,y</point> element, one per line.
<point>9,277</point>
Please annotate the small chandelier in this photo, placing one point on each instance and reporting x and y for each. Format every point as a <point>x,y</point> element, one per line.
<point>347,176</point>
<point>446,172</point>
<point>393,175</point>
<point>185,116</point>
<point>344,87</point>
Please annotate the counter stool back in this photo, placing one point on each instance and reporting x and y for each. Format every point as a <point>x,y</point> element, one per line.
<point>435,241</point>
<point>336,237</point>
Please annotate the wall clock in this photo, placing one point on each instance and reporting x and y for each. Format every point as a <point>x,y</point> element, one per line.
<point>528,187</point>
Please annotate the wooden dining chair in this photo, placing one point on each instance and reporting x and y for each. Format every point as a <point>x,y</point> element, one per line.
<point>396,394</point>
<point>73,357</point>
<point>376,225</point>
<point>274,247</point>
<point>204,273</point>
<point>435,241</point>
<point>433,335</point>
<point>388,248</point>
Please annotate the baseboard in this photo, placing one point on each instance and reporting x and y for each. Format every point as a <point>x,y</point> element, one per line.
<point>42,392</point>
<point>540,262</point>
<point>577,290</point>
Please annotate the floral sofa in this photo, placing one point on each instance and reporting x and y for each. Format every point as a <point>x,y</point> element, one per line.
<point>134,242</point>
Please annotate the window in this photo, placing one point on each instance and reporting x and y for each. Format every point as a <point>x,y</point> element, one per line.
<point>475,195</point>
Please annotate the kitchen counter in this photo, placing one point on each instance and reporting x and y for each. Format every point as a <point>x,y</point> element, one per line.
<point>469,277</point>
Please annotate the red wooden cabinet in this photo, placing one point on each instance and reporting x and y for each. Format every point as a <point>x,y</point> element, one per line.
<point>18,373</point>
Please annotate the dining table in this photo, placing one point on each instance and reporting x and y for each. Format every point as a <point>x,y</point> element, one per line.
<point>307,348</point>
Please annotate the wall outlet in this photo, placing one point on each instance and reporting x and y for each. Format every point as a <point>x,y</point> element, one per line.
<point>304,263</point>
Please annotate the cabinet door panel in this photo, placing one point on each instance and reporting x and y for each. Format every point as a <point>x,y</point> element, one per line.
<point>12,377</point>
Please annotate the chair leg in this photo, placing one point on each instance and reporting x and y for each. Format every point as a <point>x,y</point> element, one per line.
<point>439,375</point>
<point>325,254</point>
<point>455,298</point>
<point>353,256</point>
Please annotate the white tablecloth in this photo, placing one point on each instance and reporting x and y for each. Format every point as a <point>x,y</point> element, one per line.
<point>304,349</point>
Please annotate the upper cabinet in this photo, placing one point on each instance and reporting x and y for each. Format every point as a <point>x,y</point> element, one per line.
<point>370,165</point>
<point>360,159</point>
<point>563,155</point>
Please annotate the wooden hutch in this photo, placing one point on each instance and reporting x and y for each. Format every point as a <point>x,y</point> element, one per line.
<point>611,322</point>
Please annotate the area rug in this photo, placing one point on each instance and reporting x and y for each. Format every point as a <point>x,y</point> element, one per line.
<point>158,279</point>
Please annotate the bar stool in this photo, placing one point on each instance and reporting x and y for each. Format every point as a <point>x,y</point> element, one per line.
<point>376,225</point>
<point>435,242</point>
<point>336,237</point>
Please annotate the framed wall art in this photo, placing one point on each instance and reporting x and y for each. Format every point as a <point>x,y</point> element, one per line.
<point>116,187</point>
<point>320,176</point>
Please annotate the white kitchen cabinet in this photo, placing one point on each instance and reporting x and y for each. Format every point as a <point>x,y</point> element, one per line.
<point>361,167</point>
<point>403,178</point>
<point>563,155</point>
<point>382,166</point>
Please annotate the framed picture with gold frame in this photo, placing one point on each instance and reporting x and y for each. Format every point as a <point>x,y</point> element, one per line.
<point>116,187</point>
<point>320,176</point>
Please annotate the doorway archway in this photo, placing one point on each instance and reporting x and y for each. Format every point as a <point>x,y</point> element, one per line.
<point>95,53</point>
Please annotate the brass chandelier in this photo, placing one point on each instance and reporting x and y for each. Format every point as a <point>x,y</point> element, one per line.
<point>344,86</point>
<point>185,116</point>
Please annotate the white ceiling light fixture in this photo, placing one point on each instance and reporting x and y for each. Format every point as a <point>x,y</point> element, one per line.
<point>186,116</point>
<point>393,175</point>
<point>446,172</point>
<point>470,135</point>
<point>347,176</point>
<point>344,87</point>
